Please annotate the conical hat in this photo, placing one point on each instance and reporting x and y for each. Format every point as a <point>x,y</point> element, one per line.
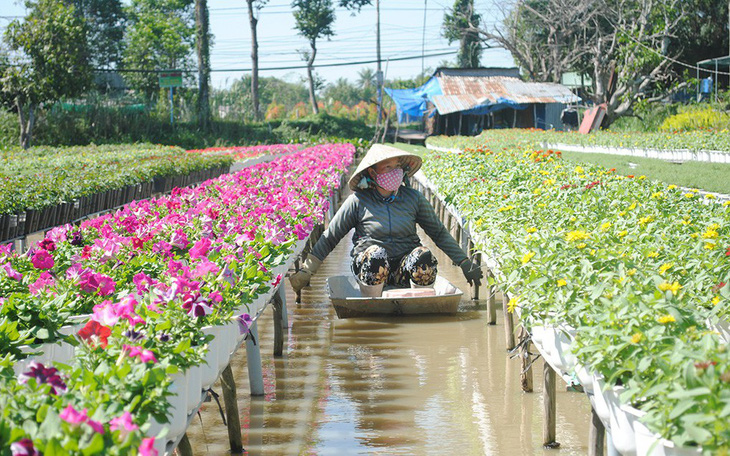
<point>380,152</point>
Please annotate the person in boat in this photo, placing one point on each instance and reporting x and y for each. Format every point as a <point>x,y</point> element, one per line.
<point>384,210</point>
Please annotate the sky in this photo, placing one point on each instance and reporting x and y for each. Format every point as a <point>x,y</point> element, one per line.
<point>402,35</point>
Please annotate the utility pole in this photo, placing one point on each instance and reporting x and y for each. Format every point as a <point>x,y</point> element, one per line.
<point>423,37</point>
<point>378,72</point>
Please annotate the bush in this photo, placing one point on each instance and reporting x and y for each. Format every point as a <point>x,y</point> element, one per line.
<point>9,130</point>
<point>697,117</point>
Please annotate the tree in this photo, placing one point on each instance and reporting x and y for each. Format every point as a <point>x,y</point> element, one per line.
<point>314,20</point>
<point>104,30</point>
<point>343,91</point>
<point>160,36</point>
<point>366,81</point>
<point>203,50</point>
<point>253,22</point>
<point>53,60</point>
<point>459,25</point>
<point>626,46</point>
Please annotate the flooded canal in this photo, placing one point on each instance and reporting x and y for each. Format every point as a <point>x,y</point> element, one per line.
<point>441,385</point>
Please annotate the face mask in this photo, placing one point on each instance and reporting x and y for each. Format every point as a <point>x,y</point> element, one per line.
<point>391,180</point>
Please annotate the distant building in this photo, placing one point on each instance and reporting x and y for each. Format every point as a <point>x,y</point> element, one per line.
<point>466,101</point>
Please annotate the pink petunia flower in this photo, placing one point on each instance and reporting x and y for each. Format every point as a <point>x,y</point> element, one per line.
<point>44,281</point>
<point>147,448</point>
<point>200,248</point>
<point>73,417</point>
<point>42,260</point>
<point>96,426</point>
<point>12,273</point>
<point>144,355</point>
<point>124,424</point>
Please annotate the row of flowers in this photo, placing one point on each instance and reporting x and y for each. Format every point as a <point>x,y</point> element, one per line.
<point>41,176</point>
<point>636,271</point>
<point>695,140</point>
<point>242,153</point>
<point>153,276</point>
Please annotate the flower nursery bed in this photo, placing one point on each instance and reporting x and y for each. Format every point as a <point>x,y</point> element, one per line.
<point>690,141</point>
<point>43,187</point>
<point>623,277</point>
<point>248,152</point>
<point>105,326</point>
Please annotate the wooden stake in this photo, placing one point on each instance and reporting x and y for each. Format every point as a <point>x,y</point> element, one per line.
<point>278,325</point>
<point>596,435</point>
<point>509,322</point>
<point>232,417</point>
<point>525,366</point>
<point>184,448</point>
<point>492,299</point>
<point>549,406</point>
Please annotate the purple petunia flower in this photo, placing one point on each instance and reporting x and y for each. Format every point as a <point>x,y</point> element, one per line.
<point>24,447</point>
<point>44,375</point>
<point>76,238</point>
<point>244,323</point>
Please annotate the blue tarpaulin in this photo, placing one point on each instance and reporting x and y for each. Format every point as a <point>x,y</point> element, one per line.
<point>411,103</point>
<point>502,103</point>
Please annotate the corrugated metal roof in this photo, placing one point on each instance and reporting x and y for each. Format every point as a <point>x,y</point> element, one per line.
<point>461,93</point>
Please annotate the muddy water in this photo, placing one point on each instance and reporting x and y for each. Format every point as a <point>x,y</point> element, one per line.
<point>437,385</point>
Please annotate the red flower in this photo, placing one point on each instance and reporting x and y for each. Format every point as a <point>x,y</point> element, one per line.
<point>94,332</point>
<point>137,243</point>
<point>630,176</point>
<point>728,252</point>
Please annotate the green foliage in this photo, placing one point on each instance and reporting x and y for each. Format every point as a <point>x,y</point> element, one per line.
<point>314,19</point>
<point>160,35</point>
<point>697,117</point>
<point>325,124</point>
<point>459,26</point>
<point>104,30</point>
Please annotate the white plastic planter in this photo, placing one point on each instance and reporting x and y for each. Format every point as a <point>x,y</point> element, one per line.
<point>194,381</point>
<point>651,444</point>
<point>164,432</point>
<point>585,378</point>
<point>599,401</point>
<point>563,342</point>
<point>209,367</point>
<point>538,334</point>
<point>622,418</point>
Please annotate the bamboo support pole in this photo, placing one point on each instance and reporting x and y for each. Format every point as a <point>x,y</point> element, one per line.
<point>549,407</point>
<point>492,298</point>
<point>184,448</point>
<point>525,366</point>
<point>253,358</point>
<point>277,305</point>
<point>596,435</point>
<point>477,256</point>
<point>509,322</point>
<point>232,417</point>
<point>284,313</point>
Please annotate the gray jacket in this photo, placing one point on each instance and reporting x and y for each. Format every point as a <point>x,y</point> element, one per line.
<point>389,224</point>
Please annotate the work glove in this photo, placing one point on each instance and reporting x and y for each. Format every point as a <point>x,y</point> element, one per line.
<point>300,279</point>
<point>472,271</point>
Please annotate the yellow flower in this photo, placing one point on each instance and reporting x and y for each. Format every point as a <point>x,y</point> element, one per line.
<point>511,305</point>
<point>694,235</point>
<point>505,208</point>
<point>573,219</point>
<point>665,267</point>
<point>578,235</point>
<point>537,191</point>
<point>666,319</point>
<point>562,282</point>
<point>645,220</point>
<point>527,257</point>
<point>657,195</point>
<point>671,187</point>
<point>715,300</point>
<point>710,196</point>
<point>710,246</point>
<point>579,170</point>
<point>531,229</point>
<point>686,222</point>
<point>500,182</point>
<point>710,234</point>
<point>581,245</point>
<point>636,338</point>
<point>622,233</point>
<point>632,207</point>
<point>689,195</point>
<point>652,254</point>
<point>631,272</point>
<point>673,287</point>
<point>605,226</point>
<point>726,203</point>
<point>622,213</point>
<point>642,177</point>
